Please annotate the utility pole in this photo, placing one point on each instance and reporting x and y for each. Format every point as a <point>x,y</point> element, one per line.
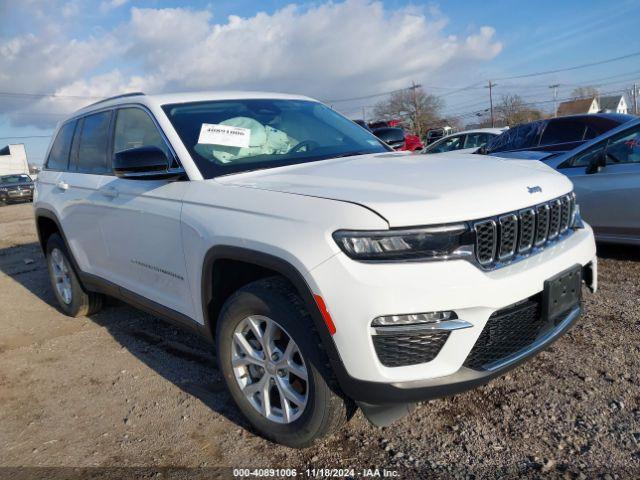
<point>490,87</point>
<point>635,99</point>
<point>414,87</point>
<point>555,98</point>
<point>364,119</point>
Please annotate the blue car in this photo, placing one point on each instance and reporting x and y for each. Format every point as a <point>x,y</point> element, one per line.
<point>606,174</point>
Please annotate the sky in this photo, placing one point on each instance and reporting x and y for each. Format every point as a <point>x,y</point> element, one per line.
<point>338,52</point>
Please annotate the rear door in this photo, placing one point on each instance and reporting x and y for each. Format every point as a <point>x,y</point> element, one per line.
<point>48,193</point>
<point>609,198</point>
<point>141,222</point>
<point>80,185</point>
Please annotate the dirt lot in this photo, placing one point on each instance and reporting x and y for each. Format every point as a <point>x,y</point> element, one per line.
<point>123,389</point>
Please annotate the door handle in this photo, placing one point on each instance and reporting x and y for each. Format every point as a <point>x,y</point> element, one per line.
<point>62,185</point>
<point>109,192</point>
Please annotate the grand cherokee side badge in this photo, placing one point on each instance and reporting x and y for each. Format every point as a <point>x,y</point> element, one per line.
<point>534,189</point>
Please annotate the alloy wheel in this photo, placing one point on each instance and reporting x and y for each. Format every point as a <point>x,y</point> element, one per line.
<point>269,369</point>
<point>61,275</point>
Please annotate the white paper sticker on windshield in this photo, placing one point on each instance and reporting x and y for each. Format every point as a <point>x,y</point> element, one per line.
<point>216,134</point>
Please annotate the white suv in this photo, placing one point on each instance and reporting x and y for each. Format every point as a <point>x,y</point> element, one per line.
<point>329,271</point>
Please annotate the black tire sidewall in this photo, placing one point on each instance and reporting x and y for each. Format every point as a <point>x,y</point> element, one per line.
<point>272,304</point>
<point>78,296</point>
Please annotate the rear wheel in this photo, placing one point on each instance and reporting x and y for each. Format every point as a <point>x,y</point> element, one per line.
<point>72,298</point>
<point>274,365</point>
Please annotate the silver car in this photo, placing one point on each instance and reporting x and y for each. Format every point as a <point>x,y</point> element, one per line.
<point>606,175</point>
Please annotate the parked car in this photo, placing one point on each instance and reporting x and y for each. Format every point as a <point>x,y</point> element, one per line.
<point>325,272</point>
<point>16,188</point>
<point>606,175</point>
<point>555,134</point>
<point>464,142</point>
<point>435,134</point>
<point>363,124</point>
<point>392,136</point>
<point>412,143</point>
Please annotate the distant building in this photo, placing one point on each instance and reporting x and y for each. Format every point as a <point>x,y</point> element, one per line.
<point>577,107</point>
<point>13,159</point>
<point>613,104</point>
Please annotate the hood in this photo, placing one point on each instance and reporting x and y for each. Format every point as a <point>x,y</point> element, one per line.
<point>411,190</point>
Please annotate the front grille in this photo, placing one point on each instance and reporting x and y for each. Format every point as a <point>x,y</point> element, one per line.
<point>500,240</point>
<point>399,350</point>
<point>507,332</point>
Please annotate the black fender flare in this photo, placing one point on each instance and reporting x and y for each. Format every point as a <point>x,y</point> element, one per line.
<point>282,267</point>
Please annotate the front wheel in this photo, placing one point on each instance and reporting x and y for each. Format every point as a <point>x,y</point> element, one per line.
<point>274,365</point>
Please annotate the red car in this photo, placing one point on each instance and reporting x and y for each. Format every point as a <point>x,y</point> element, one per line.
<point>412,142</point>
<point>397,138</point>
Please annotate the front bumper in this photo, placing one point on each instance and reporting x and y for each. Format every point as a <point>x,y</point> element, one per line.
<point>355,293</point>
<point>458,382</point>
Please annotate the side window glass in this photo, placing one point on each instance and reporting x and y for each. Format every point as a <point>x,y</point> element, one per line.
<point>562,132</point>
<point>59,154</point>
<point>447,145</point>
<point>583,159</point>
<point>135,128</point>
<point>94,142</point>
<point>624,148</point>
<point>475,140</point>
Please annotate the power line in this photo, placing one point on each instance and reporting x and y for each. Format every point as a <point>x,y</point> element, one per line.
<point>54,95</point>
<point>25,137</point>
<point>576,67</point>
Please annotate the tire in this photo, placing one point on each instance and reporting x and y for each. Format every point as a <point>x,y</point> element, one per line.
<point>78,302</point>
<point>325,410</point>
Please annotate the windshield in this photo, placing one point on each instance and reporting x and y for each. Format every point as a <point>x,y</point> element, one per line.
<point>233,136</point>
<point>15,179</point>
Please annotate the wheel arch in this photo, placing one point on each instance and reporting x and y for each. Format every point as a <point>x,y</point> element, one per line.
<point>267,264</point>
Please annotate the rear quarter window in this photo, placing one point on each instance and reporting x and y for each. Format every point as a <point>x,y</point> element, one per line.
<point>59,155</point>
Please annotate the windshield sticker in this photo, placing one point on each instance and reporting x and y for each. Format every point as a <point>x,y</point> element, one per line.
<point>216,134</point>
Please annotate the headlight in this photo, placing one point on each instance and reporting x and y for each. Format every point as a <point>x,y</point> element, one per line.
<point>428,243</point>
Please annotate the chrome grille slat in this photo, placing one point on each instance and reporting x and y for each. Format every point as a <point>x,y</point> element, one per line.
<point>542,224</point>
<point>555,208</point>
<point>508,236</point>
<point>565,203</point>
<point>486,239</point>
<point>527,229</point>
<point>501,239</point>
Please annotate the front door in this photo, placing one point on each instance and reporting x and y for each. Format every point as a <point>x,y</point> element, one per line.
<point>142,222</point>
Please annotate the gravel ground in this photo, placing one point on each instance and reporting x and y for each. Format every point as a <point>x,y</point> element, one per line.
<point>123,389</point>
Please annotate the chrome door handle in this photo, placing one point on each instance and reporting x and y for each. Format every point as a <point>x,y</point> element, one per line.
<point>109,192</point>
<point>62,185</point>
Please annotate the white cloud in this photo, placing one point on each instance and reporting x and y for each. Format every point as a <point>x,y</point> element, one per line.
<point>331,50</point>
<point>105,6</point>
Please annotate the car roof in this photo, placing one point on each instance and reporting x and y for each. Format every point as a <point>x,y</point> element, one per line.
<point>185,97</point>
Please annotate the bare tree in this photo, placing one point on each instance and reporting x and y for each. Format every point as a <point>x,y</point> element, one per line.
<point>419,109</point>
<point>584,92</point>
<point>512,110</point>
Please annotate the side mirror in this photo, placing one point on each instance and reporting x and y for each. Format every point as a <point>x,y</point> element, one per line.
<point>597,163</point>
<point>144,163</point>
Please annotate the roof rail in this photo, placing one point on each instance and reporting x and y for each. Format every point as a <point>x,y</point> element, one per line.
<point>124,95</point>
